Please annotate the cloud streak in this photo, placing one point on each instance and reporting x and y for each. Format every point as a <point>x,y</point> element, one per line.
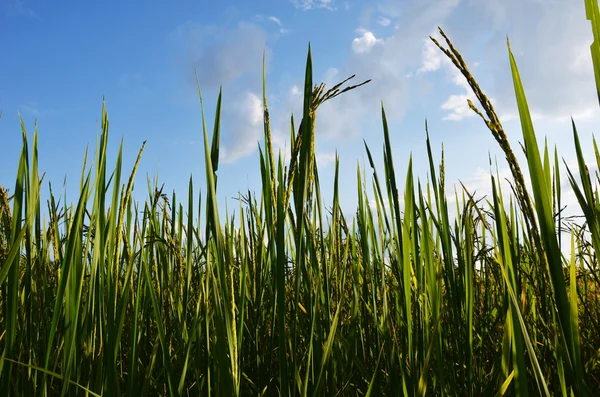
<point>312,4</point>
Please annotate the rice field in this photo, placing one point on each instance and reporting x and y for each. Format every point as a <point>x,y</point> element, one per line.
<point>286,295</point>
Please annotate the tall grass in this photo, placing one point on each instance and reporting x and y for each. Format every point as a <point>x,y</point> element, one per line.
<point>290,297</point>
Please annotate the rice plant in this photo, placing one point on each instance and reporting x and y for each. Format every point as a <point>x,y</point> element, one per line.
<point>288,296</point>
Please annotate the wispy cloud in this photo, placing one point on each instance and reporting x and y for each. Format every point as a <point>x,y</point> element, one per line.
<point>274,19</point>
<point>220,56</point>
<point>36,110</point>
<point>29,109</point>
<point>311,4</point>
<point>282,29</point>
<point>383,21</point>
<point>19,8</point>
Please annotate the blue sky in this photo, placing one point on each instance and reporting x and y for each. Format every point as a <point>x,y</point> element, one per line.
<point>61,58</point>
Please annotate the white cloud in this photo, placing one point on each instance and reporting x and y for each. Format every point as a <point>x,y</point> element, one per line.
<point>383,21</point>
<point>365,43</point>
<point>455,105</point>
<point>390,59</point>
<point>432,57</point>
<point>550,40</point>
<point>384,60</point>
<point>458,107</point>
<point>242,127</point>
<point>295,91</point>
<point>325,159</point>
